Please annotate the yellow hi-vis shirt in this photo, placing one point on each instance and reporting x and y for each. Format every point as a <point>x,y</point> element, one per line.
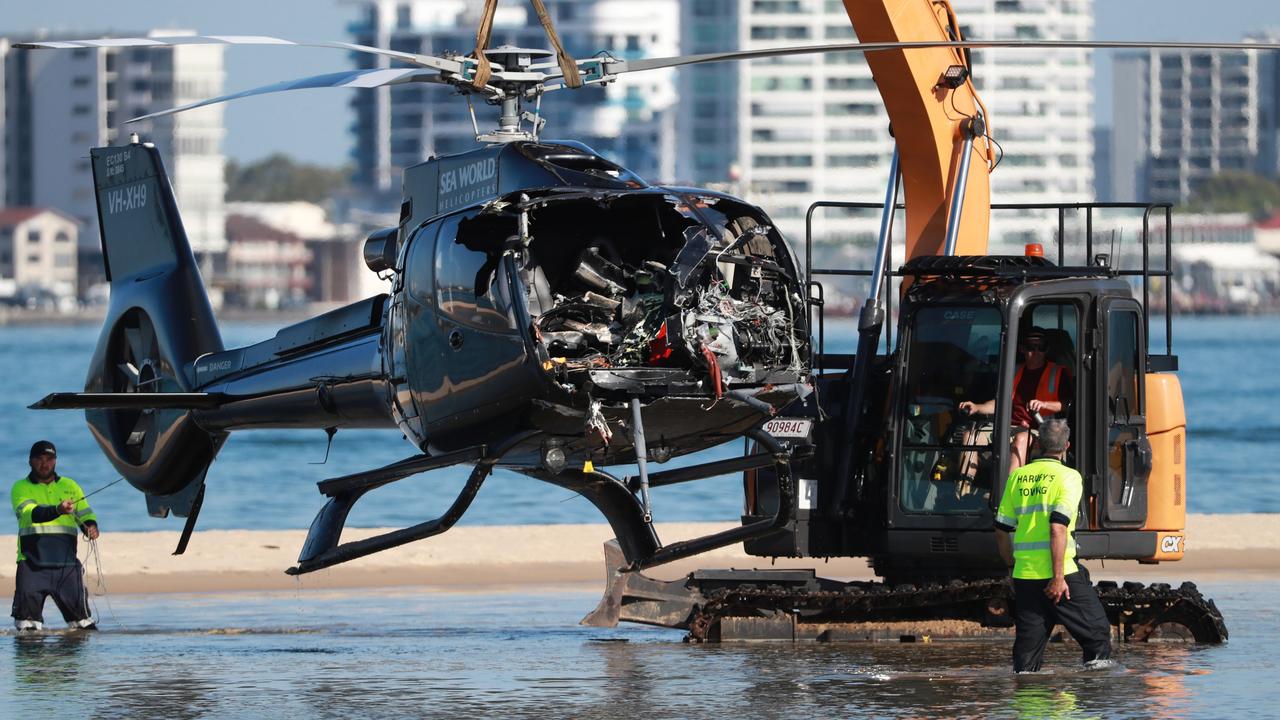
<point>51,543</point>
<point>1042,492</point>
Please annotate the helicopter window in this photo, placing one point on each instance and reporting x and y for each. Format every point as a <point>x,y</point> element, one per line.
<point>468,281</point>
<point>947,463</point>
<point>420,268</point>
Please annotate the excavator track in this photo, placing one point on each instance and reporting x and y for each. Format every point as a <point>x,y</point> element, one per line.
<point>1138,612</point>
<point>776,604</point>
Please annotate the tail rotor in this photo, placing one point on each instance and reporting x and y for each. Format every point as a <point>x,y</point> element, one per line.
<point>158,322</point>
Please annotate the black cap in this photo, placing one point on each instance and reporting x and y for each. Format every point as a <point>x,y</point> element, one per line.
<point>43,447</point>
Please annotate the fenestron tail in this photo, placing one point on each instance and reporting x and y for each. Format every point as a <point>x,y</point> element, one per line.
<point>158,322</point>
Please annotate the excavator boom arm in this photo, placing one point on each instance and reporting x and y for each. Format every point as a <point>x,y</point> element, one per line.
<point>929,121</point>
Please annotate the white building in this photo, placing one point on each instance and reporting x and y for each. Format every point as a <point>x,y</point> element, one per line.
<point>788,131</point>
<point>630,121</point>
<point>37,254</point>
<point>60,103</point>
<point>266,265</point>
<point>335,263</point>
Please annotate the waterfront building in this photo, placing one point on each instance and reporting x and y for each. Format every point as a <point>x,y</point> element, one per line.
<point>266,266</point>
<point>58,104</point>
<point>37,256</point>
<point>335,267</point>
<point>1184,116</point>
<point>1221,263</point>
<point>787,131</point>
<point>631,121</point>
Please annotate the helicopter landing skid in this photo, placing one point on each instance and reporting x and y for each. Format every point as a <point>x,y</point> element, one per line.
<point>638,543</point>
<point>322,548</point>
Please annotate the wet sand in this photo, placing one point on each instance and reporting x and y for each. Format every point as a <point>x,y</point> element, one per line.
<point>1240,547</point>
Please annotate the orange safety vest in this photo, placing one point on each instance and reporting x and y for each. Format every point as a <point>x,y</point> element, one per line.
<point>1047,389</point>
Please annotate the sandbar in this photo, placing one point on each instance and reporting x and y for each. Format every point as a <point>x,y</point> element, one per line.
<point>1221,548</point>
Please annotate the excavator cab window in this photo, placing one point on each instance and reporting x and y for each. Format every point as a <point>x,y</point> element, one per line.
<point>1125,450</point>
<point>947,461</point>
<point>1059,322</point>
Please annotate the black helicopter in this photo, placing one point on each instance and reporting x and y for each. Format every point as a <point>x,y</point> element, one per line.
<point>550,312</point>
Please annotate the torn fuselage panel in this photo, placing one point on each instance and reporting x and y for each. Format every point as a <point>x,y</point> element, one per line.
<point>647,294</point>
<point>654,294</point>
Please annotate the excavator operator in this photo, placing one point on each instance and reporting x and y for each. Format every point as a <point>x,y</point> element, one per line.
<point>1039,386</point>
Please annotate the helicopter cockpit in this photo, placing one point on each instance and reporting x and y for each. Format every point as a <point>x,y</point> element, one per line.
<point>574,298</point>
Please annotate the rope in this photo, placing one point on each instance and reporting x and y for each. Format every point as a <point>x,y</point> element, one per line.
<point>567,66</point>
<point>483,33</point>
<point>102,582</point>
<point>86,496</point>
<point>484,70</point>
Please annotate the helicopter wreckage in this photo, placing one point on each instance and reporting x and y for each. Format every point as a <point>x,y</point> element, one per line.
<point>549,310</point>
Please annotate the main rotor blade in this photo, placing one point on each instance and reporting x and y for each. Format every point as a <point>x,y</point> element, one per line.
<point>351,79</point>
<point>427,61</point>
<point>620,66</point>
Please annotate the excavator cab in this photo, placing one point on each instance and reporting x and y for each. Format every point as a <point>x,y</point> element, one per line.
<point>925,475</point>
<point>964,335</point>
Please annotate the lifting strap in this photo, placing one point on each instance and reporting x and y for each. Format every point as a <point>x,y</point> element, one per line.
<point>485,31</point>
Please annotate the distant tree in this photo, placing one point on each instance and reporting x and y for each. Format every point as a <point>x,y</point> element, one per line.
<point>279,178</point>
<point>1236,191</point>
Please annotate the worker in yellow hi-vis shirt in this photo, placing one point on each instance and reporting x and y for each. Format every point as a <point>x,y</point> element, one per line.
<point>51,511</point>
<point>1039,506</point>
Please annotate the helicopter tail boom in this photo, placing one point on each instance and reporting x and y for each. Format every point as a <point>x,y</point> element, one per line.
<point>158,322</point>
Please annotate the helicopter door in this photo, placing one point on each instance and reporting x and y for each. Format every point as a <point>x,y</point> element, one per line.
<point>484,353</point>
<point>395,366</point>
<point>1124,454</point>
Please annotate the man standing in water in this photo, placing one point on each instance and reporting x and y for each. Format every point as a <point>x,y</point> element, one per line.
<point>1039,506</point>
<point>51,511</point>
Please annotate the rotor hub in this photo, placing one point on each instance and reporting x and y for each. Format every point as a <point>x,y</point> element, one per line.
<point>514,59</point>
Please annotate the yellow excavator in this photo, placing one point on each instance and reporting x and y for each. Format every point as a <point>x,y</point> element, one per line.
<point>897,472</point>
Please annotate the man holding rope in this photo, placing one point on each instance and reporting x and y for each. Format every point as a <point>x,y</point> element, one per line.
<point>51,511</point>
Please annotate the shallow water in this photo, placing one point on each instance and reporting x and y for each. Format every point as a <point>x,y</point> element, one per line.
<point>415,653</point>
<point>264,479</point>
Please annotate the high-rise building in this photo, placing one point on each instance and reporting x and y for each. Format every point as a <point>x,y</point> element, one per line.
<point>630,121</point>
<point>60,103</point>
<point>790,130</point>
<point>1184,116</point>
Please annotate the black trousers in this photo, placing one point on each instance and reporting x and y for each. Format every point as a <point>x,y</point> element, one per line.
<point>65,584</point>
<point>1035,615</point>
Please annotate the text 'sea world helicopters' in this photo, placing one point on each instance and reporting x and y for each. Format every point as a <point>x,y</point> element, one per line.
<point>553,313</point>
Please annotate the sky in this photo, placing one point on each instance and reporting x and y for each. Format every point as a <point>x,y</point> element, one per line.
<point>312,125</point>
